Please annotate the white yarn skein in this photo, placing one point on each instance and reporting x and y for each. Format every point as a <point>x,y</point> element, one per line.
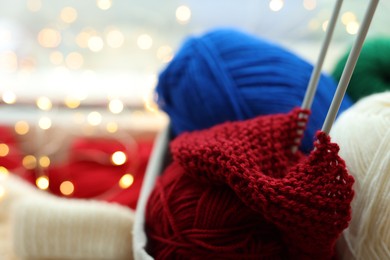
<point>363,134</point>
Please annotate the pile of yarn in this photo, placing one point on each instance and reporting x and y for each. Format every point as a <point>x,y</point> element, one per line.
<point>227,75</point>
<point>254,159</point>
<point>363,133</point>
<point>371,74</point>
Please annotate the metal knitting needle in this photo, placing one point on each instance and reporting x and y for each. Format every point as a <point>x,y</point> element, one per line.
<point>315,76</point>
<point>349,67</point>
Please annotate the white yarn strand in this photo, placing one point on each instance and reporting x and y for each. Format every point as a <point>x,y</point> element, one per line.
<point>363,134</point>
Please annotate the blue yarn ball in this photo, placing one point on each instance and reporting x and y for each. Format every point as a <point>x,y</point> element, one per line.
<point>228,75</point>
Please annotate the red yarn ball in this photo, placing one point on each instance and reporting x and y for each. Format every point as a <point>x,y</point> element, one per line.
<point>188,219</point>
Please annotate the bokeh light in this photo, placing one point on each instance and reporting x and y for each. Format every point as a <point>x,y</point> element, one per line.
<point>68,14</point>
<point>49,38</point>
<point>22,127</point>
<point>66,188</point>
<point>112,127</point>
<point>310,4</point>
<point>115,106</point>
<point>44,161</point>
<point>9,97</point>
<point>104,4</point>
<point>44,103</point>
<point>115,38</point>
<point>44,122</point>
<point>94,118</point>
<point>276,5</point>
<point>95,43</point>
<point>183,14</point>
<point>42,182</point>
<point>4,150</point>
<point>144,41</point>
<point>118,158</point>
<point>74,60</point>
<point>29,162</point>
<point>126,181</point>
<point>352,27</point>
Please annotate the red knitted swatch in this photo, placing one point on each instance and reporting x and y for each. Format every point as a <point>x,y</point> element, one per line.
<point>307,198</point>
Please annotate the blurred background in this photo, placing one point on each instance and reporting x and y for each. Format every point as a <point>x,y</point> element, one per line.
<point>93,51</point>
<point>88,68</point>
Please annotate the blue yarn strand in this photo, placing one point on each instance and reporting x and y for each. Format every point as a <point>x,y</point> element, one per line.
<point>228,75</point>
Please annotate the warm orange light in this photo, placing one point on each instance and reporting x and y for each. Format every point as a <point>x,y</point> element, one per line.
<point>4,150</point>
<point>29,162</point>
<point>49,38</point>
<point>67,188</point>
<point>126,181</point>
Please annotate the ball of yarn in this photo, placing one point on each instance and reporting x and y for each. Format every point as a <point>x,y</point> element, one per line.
<point>228,75</point>
<point>308,198</point>
<point>363,134</point>
<point>188,219</point>
<point>372,69</point>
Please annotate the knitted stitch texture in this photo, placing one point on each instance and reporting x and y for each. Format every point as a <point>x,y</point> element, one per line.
<point>307,198</point>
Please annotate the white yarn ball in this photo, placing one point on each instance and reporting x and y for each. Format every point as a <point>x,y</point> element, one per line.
<point>363,134</point>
